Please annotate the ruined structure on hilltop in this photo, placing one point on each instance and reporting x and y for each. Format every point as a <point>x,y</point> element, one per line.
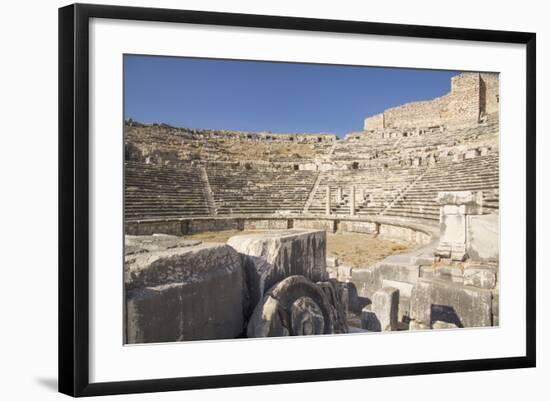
<point>425,174</point>
<point>472,97</point>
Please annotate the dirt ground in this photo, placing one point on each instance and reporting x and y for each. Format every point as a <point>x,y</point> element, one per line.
<point>356,250</point>
<point>361,250</point>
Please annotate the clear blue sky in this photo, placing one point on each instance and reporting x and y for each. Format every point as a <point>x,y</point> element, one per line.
<point>264,96</point>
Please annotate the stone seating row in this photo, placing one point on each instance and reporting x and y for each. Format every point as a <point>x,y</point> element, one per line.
<point>389,146</point>
<point>243,191</point>
<point>373,188</point>
<point>153,191</point>
<point>477,174</point>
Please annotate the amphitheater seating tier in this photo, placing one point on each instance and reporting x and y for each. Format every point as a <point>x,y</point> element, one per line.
<point>242,191</point>
<point>477,174</point>
<point>161,191</point>
<point>167,184</point>
<point>374,188</point>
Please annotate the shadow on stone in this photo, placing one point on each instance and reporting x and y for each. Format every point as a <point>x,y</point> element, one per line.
<point>369,321</point>
<point>356,302</point>
<point>447,314</point>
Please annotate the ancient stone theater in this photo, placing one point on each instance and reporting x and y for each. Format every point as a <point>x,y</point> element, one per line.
<point>252,234</point>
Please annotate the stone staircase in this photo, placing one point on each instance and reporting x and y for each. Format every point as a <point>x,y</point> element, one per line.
<point>312,193</point>
<point>208,194</point>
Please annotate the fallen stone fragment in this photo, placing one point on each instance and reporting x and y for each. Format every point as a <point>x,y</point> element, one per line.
<point>293,307</point>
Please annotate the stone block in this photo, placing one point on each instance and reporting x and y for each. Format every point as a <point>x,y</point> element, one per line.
<point>397,233</point>
<point>459,198</point>
<point>403,272</point>
<point>146,228</point>
<point>483,238</point>
<point>453,229</point>
<point>480,276</point>
<point>427,272</point>
<point>268,224</point>
<point>364,227</point>
<point>450,302</point>
<point>327,225</point>
<point>332,261</point>
<point>344,273</point>
<point>405,289</point>
<point>425,259</point>
<point>449,273</point>
<point>385,304</point>
<point>270,257</point>
<point>362,280</point>
<point>169,291</point>
<point>200,225</point>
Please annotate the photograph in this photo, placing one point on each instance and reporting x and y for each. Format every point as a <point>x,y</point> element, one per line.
<point>274,199</point>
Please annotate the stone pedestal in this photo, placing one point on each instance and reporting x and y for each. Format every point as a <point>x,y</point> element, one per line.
<point>455,208</point>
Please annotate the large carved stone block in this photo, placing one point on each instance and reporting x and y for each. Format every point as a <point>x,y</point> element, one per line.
<point>270,257</point>
<point>179,290</point>
<point>445,301</point>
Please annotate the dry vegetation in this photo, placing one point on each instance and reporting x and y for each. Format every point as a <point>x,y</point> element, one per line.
<point>159,141</point>
<point>361,250</point>
<point>357,250</point>
<point>240,150</point>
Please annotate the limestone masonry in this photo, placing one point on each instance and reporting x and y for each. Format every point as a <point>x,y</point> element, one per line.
<point>472,96</point>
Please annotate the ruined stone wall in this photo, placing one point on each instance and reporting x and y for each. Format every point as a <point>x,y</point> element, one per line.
<point>375,122</point>
<point>209,134</point>
<point>490,92</point>
<point>417,114</point>
<point>471,95</point>
<point>463,105</point>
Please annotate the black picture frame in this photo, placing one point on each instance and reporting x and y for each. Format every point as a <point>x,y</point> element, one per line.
<point>74,198</point>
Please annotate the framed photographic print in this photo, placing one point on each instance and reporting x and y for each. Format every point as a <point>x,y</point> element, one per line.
<point>251,199</point>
